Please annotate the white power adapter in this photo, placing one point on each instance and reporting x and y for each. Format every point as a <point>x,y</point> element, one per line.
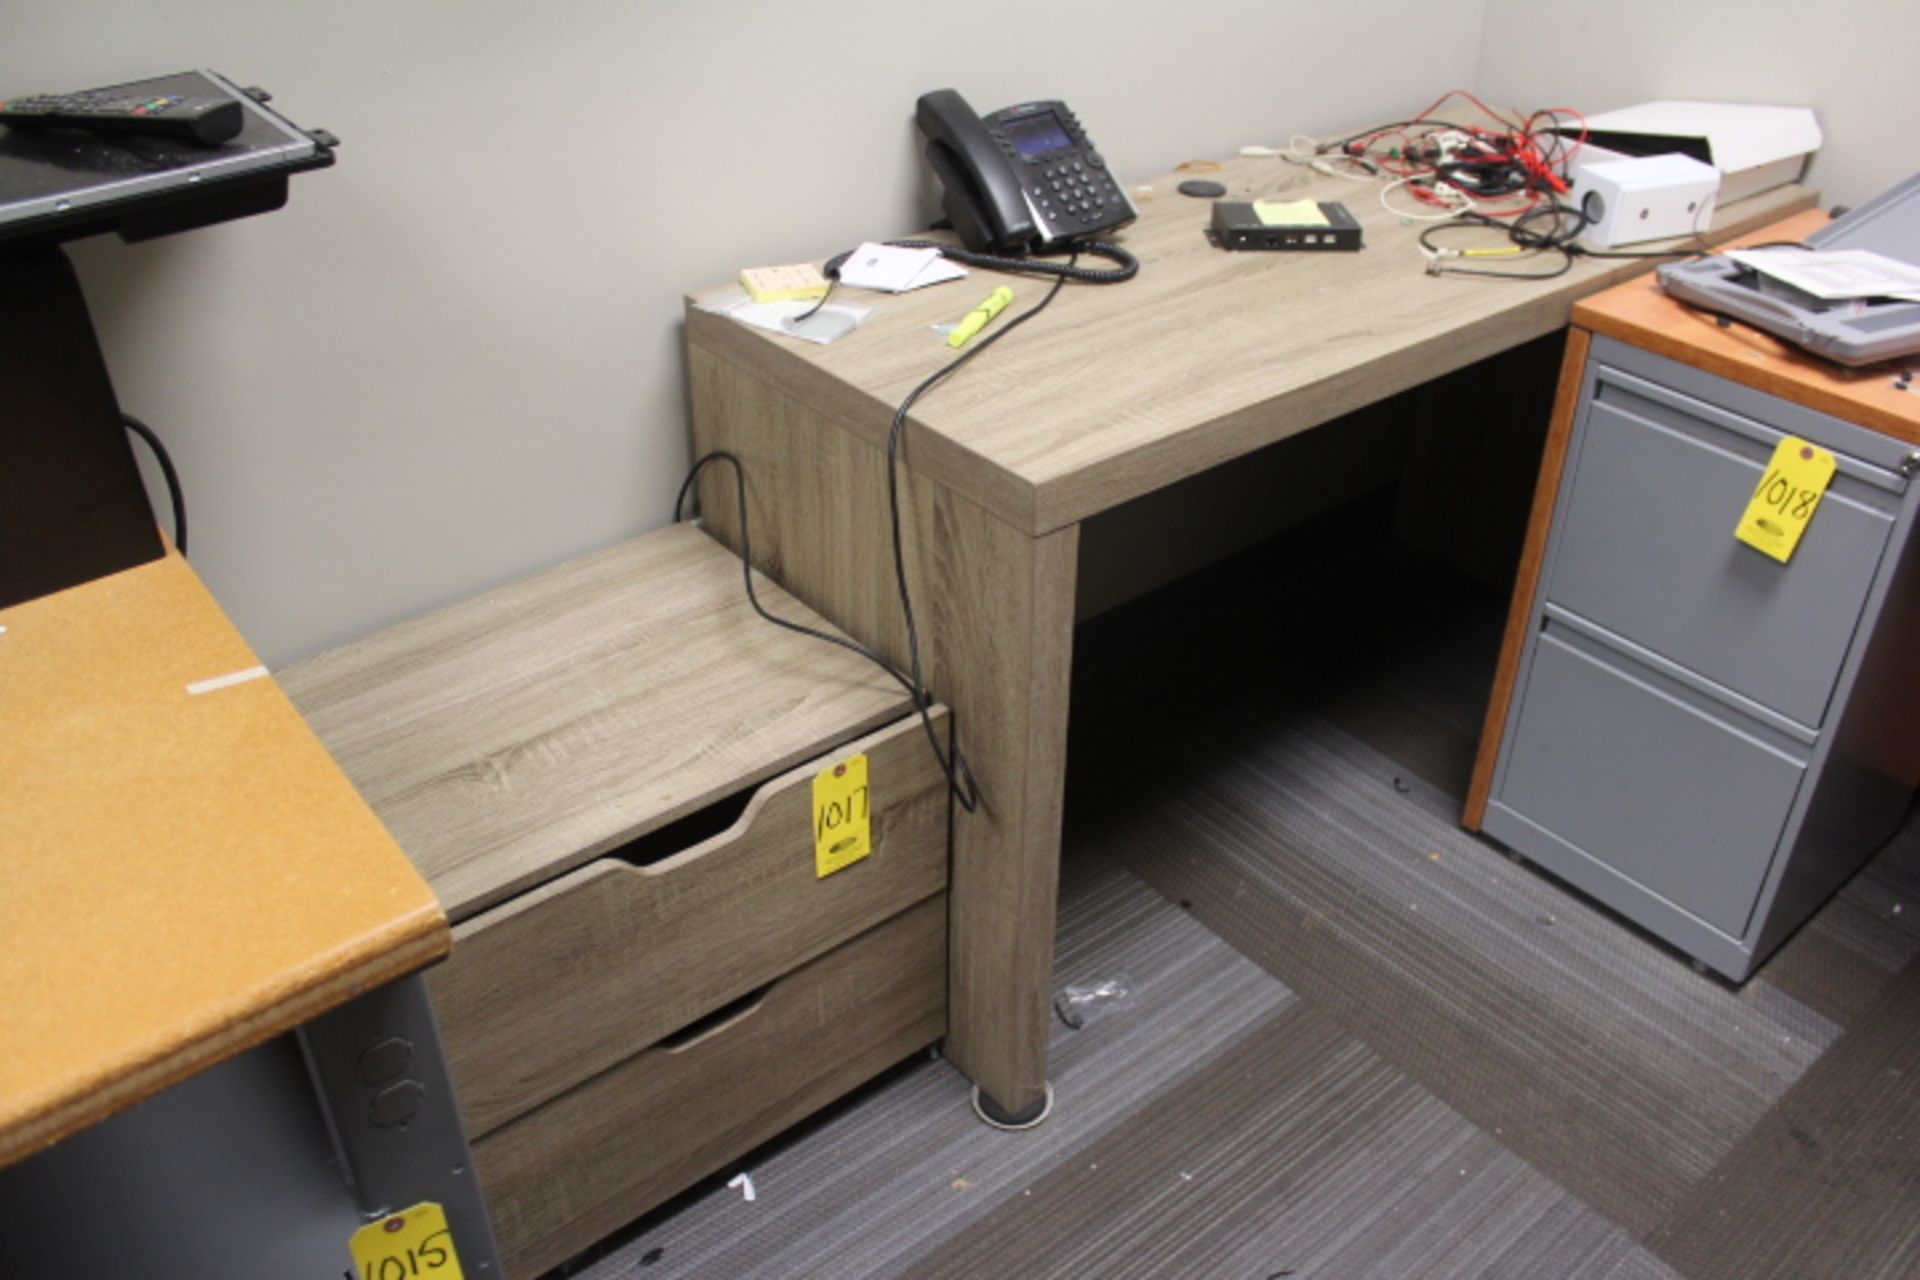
<point>1644,198</point>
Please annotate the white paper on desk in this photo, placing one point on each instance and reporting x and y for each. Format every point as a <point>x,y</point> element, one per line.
<point>891,269</point>
<point>835,320</point>
<point>1834,274</point>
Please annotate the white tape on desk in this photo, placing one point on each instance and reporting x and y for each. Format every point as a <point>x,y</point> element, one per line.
<point>227,681</point>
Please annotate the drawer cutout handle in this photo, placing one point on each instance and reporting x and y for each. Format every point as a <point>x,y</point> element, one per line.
<point>714,1023</point>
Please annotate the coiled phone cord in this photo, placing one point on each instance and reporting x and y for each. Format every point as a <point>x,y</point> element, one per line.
<point>1126,268</point>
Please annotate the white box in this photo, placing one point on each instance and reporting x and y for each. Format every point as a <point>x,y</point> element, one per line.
<point>1648,198</point>
<point>1754,147</point>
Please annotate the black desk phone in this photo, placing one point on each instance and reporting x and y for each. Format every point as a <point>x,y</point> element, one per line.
<point>1024,179</point>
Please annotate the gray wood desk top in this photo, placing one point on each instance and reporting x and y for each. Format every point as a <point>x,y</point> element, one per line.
<point>511,737</point>
<point>1206,355</point>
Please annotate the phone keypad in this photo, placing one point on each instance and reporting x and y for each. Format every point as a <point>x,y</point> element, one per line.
<point>1075,190</point>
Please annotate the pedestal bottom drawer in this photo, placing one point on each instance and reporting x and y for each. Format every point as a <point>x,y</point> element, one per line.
<point>591,1160</point>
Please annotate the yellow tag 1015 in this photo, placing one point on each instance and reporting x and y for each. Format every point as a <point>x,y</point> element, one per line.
<point>842,818</point>
<point>1788,495</point>
<point>414,1244</point>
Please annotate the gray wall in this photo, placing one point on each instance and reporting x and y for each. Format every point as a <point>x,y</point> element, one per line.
<point>1850,60</point>
<point>455,358</point>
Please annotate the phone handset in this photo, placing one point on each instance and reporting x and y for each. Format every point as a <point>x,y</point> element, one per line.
<point>980,194</point>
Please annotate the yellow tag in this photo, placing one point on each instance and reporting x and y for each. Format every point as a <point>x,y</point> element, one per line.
<point>1289,213</point>
<point>415,1243</point>
<point>842,826</point>
<point>1788,495</point>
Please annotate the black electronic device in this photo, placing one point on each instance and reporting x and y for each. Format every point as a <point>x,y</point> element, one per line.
<point>204,120</point>
<point>72,504</point>
<point>1241,224</point>
<point>1024,179</point>
<point>61,184</point>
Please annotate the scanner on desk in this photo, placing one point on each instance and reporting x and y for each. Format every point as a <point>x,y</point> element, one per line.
<point>1024,179</point>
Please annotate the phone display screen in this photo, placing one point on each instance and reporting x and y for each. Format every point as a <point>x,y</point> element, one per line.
<point>1037,135</point>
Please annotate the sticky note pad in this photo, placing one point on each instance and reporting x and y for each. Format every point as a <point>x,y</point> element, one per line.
<point>797,283</point>
<point>1289,213</point>
<point>1784,502</point>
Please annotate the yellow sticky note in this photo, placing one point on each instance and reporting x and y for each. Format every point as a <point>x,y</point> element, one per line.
<point>842,816</point>
<point>1786,498</point>
<point>796,283</point>
<point>1289,213</point>
<point>402,1246</point>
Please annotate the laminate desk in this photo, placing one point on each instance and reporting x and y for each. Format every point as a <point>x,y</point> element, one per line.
<point>188,878</point>
<point>1112,394</point>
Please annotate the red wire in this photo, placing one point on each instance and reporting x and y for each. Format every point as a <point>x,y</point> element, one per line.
<point>1518,143</point>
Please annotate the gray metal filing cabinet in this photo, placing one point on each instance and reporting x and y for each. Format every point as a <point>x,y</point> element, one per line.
<point>1702,738</point>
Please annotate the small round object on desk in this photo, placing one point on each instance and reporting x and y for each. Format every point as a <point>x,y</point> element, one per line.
<point>1202,188</point>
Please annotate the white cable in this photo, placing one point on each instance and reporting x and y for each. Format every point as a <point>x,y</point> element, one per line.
<point>1448,193</point>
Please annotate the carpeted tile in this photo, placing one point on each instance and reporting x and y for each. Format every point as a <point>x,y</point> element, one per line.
<point>1300,1153</point>
<point>1602,1059</point>
<point>1828,1183</point>
<point>881,1182</point>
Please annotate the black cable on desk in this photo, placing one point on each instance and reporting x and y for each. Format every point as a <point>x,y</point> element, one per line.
<point>175,494</point>
<point>1125,267</point>
<point>1526,238</point>
<point>958,772</point>
<point>960,779</point>
<point>898,429</point>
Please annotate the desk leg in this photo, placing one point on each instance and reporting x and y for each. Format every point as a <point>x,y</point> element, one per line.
<point>995,613</point>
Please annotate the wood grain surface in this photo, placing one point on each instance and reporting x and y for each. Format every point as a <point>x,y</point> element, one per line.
<point>185,873</point>
<point>995,613</point>
<point>594,1159</point>
<point>1639,312</point>
<point>512,737</point>
<point>1204,356</point>
<point>571,978</point>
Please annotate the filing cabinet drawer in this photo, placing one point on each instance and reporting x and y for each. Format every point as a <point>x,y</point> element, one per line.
<point>1646,546</point>
<point>570,979</point>
<point>590,1161</point>
<point>1635,781</point>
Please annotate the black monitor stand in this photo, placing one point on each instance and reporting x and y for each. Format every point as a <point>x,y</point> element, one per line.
<point>72,504</point>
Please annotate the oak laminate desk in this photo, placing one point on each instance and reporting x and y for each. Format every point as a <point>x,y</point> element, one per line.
<point>1113,393</point>
<point>186,877</point>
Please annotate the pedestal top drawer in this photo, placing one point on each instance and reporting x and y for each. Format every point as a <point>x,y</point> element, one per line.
<point>523,733</point>
<point>576,976</point>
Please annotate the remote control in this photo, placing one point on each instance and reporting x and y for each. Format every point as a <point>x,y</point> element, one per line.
<point>204,120</point>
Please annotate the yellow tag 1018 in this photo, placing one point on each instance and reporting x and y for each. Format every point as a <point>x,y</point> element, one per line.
<point>842,819</point>
<point>1788,495</point>
<point>414,1244</point>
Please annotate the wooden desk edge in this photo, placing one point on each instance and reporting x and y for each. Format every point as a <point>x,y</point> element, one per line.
<point>934,454</point>
<point>410,943</point>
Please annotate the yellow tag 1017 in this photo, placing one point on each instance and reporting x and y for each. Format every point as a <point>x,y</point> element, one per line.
<point>1788,495</point>
<point>842,819</point>
<point>414,1244</point>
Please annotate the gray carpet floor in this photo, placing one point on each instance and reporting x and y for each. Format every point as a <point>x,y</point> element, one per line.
<point>1351,1039</point>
